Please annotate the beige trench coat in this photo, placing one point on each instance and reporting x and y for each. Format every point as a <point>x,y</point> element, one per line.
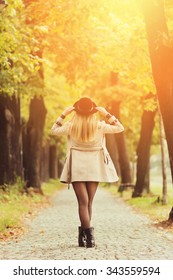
<point>88,161</point>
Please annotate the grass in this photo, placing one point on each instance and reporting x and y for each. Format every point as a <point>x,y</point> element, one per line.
<point>15,205</point>
<point>148,204</point>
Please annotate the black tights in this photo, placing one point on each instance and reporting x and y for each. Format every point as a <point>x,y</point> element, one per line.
<point>85,192</point>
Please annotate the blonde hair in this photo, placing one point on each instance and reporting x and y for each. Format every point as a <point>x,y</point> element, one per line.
<point>83,128</point>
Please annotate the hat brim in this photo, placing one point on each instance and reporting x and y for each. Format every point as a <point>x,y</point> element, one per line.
<point>83,111</point>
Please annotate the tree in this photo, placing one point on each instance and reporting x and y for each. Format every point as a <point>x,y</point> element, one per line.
<point>163,157</point>
<point>113,151</point>
<point>34,136</point>
<point>143,151</point>
<point>36,122</point>
<point>45,162</point>
<point>124,162</point>
<point>16,64</point>
<point>10,140</point>
<point>53,167</point>
<point>161,54</point>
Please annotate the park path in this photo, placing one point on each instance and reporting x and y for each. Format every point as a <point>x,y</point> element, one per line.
<point>120,233</point>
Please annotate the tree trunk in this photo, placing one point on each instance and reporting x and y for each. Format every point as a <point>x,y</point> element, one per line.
<point>124,162</point>
<point>44,163</point>
<point>10,140</point>
<point>143,152</point>
<point>35,125</point>
<point>112,149</point>
<point>60,163</point>
<point>53,166</point>
<point>34,134</point>
<point>146,188</point>
<point>163,153</point>
<point>161,53</point>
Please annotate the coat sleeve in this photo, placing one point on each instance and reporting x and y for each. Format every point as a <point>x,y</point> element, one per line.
<point>111,128</point>
<point>60,130</point>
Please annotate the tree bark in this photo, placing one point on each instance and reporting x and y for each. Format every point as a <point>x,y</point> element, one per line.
<point>53,166</point>
<point>146,188</point>
<point>163,159</point>
<point>124,162</point>
<point>113,151</point>
<point>143,152</point>
<point>10,140</point>
<point>161,53</point>
<point>35,127</point>
<point>44,162</point>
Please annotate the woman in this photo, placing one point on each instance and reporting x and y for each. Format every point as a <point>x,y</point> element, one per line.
<point>87,161</point>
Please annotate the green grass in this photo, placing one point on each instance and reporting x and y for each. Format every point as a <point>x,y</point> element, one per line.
<point>148,204</point>
<point>15,204</point>
<point>51,187</point>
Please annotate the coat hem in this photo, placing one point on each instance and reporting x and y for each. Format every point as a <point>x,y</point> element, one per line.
<point>65,182</point>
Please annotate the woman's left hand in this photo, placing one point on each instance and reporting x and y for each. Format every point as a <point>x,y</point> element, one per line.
<point>68,110</point>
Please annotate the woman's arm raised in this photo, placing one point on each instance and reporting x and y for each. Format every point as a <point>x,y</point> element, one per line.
<point>114,125</point>
<point>58,128</point>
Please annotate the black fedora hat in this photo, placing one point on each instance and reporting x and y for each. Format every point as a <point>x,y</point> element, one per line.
<point>85,106</point>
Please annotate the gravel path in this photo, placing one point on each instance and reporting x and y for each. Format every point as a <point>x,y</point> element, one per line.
<point>120,233</point>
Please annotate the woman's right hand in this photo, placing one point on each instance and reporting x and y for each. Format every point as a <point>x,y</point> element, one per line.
<point>102,110</point>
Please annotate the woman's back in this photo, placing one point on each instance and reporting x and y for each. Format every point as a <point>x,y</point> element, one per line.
<point>87,160</point>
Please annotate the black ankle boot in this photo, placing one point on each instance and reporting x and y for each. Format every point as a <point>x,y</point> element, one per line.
<point>90,237</point>
<point>82,237</point>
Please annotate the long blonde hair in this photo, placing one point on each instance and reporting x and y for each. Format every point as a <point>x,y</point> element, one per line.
<point>83,128</point>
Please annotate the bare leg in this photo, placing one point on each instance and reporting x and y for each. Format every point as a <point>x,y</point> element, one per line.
<point>80,189</point>
<point>91,190</point>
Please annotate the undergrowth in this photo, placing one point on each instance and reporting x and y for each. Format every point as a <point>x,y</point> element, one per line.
<point>15,204</point>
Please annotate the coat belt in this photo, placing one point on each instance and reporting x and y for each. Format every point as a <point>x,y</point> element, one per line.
<point>83,149</point>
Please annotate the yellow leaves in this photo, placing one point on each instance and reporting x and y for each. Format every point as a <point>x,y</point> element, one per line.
<point>41,29</point>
